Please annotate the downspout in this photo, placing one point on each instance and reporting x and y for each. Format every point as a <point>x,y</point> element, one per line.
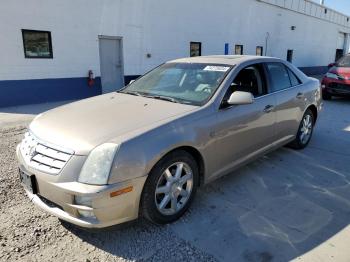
<point>266,42</point>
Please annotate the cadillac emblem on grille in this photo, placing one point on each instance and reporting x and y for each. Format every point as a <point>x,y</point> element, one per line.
<point>32,151</point>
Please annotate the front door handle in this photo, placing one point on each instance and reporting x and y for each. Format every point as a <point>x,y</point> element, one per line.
<point>300,95</point>
<point>268,108</point>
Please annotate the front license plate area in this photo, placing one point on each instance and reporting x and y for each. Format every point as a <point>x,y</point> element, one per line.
<point>29,182</point>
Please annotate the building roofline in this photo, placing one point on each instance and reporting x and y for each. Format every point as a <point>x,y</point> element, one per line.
<point>329,8</point>
<point>288,5</point>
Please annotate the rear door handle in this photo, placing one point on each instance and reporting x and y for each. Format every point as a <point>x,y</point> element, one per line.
<point>300,95</point>
<point>268,108</point>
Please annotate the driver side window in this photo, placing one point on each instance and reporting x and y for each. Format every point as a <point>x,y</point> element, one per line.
<point>250,79</point>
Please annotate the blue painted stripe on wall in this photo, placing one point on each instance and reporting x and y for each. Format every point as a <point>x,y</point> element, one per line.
<point>21,92</point>
<point>314,70</point>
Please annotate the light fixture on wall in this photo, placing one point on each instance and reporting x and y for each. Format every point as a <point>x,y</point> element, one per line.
<point>148,55</point>
<point>293,27</point>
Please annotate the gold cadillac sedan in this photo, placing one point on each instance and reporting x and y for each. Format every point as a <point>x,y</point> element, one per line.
<point>144,150</point>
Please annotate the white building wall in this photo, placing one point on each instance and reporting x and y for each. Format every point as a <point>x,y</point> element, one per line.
<point>73,26</point>
<point>160,28</point>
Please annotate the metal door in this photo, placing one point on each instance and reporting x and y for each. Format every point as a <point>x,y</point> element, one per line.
<point>111,63</point>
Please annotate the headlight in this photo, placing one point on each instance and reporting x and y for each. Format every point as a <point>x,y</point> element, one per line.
<point>341,77</point>
<point>98,165</point>
<point>331,75</point>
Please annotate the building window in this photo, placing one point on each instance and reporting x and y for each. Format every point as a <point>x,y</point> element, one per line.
<point>238,49</point>
<point>37,44</point>
<point>290,56</point>
<point>338,54</point>
<point>195,49</point>
<point>259,51</point>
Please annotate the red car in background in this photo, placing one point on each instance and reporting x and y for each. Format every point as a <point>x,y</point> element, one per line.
<point>337,80</point>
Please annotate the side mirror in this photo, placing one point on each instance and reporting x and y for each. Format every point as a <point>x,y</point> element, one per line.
<point>240,98</point>
<point>331,65</point>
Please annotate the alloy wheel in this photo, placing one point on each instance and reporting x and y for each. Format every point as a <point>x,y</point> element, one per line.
<point>174,188</point>
<point>306,129</point>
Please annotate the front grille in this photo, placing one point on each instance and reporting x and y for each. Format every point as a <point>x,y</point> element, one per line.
<point>43,157</point>
<point>339,86</point>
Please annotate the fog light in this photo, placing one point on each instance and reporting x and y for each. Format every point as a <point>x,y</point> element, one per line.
<point>86,203</point>
<point>83,201</point>
<point>86,214</point>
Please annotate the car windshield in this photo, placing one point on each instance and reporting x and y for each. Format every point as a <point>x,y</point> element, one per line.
<point>187,83</point>
<point>344,61</point>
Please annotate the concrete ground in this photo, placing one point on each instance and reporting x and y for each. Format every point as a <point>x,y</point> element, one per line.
<point>19,115</point>
<point>287,205</point>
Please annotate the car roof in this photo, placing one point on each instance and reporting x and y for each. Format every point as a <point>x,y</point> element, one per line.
<point>223,59</point>
<point>235,60</point>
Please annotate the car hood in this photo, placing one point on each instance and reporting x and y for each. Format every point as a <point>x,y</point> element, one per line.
<point>83,125</point>
<point>342,71</point>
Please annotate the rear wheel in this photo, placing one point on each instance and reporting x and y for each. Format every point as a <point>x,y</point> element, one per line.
<point>305,131</point>
<point>170,188</point>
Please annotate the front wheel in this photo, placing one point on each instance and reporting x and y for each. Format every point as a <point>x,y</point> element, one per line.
<point>305,131</point>
<point>170,188</point>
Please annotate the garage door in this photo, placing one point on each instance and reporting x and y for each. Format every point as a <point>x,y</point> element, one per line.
<point>340,46</point>
<point>341,41</point>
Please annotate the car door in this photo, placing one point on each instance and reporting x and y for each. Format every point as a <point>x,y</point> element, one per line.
<point>290,100</point>
<point>244,131</point>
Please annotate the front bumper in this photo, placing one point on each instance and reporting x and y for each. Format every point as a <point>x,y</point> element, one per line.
<point>57,198</point>
<point>336,87</point>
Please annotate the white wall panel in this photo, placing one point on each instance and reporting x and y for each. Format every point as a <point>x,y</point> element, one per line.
<point>162,29</point>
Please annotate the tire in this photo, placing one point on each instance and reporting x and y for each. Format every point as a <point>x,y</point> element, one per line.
<point>164,186</point>
<point>303,137</point>
<point>326,95</point>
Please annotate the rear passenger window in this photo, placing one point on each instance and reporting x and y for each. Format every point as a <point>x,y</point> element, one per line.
<point>293,78</point>
<point>279,77</point>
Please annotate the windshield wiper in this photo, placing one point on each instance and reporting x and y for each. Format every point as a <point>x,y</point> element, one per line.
<point>165,98</point>
<point>133,93</point>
